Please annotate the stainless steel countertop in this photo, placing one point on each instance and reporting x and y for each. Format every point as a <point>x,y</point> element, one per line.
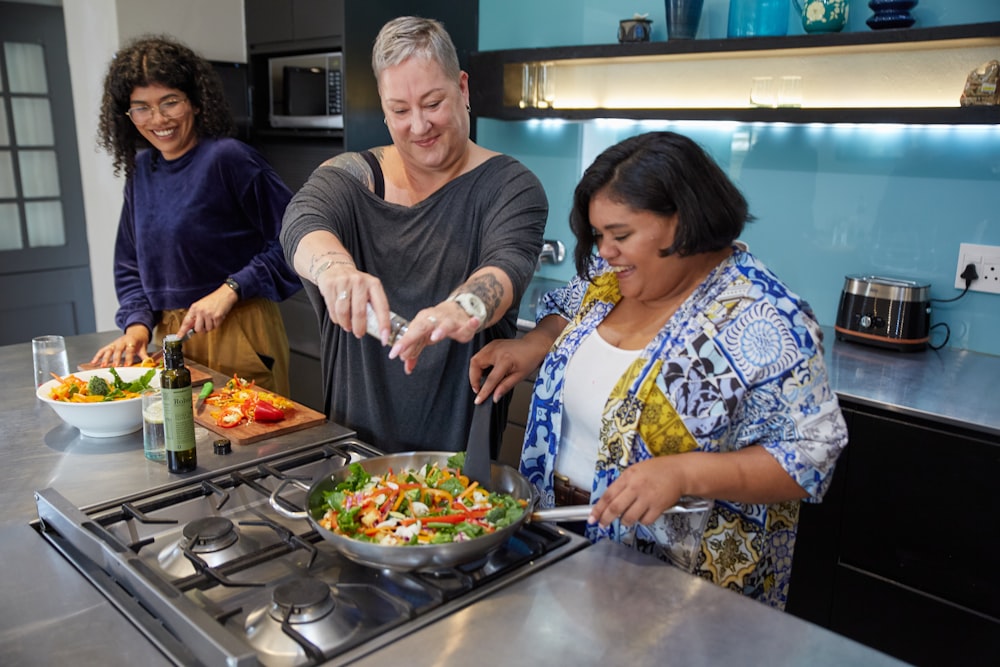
<point>52,615</point>
<point>606,605</point>
<point>950,386</point>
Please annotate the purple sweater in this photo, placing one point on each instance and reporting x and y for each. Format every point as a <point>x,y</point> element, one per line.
<point>188,224</point>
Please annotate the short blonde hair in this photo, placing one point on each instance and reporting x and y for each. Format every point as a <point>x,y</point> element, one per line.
<point>412,36</point>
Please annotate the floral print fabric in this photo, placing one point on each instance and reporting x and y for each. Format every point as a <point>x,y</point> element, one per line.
<point>740,363</point>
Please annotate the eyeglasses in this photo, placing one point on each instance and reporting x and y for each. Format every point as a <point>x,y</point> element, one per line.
<point>168,109</point>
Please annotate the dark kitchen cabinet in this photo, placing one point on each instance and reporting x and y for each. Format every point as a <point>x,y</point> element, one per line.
<point>274,25</point>
<point>303,342</point>
<point>899,556</point>
<point>517,421</point>
<point>363,126</point>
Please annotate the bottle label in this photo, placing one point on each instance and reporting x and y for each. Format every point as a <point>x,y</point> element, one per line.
<point>178,419</point>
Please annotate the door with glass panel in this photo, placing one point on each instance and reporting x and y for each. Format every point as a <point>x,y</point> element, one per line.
<point>45,283</point>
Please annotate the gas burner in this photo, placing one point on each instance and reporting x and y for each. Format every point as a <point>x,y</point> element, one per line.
<point>210,534</point>
<point>304,621</point>
<point>214,540</point>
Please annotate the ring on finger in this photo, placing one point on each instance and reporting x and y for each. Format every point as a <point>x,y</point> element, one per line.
<point>432,319</point>
<point>342,296</point>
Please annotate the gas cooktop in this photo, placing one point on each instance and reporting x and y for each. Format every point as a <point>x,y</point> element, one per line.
<point>211,574</point>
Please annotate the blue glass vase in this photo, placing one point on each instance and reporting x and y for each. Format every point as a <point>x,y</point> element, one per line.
<point>891,14</point>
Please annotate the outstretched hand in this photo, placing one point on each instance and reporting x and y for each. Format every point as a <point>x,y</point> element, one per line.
<point>123,350</point>
<point>500,365</point>
<point>432,325</point>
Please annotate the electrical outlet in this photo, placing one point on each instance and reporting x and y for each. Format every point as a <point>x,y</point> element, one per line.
<point>986,259</point>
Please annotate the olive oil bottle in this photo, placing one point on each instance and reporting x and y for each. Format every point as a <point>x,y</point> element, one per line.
<point>178,412</point>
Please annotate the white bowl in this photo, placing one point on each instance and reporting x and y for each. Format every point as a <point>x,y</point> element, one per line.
<point>101,420</point>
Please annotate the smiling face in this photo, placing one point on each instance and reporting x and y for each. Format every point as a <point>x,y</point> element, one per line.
<point>174,134</point>
<point>630,240</point>
<point>425,112</point>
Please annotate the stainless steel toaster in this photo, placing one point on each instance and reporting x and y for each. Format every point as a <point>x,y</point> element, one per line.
<point>886,312</point>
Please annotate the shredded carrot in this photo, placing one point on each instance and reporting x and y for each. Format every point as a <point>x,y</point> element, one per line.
<point>72,389</point>
<point>467,491</point>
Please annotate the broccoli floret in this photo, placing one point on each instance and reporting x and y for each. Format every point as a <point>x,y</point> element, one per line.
<point>98,386</point>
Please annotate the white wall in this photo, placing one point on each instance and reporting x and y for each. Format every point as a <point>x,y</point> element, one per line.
<point>213,28</point>
<point>94,31</point>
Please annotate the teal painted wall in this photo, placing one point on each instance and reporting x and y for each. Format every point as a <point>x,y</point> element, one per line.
<point>830,201</point>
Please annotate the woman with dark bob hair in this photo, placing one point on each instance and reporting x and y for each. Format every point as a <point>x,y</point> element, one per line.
<point>667,173</point>
<point>674,366</point>
<point>197,247</point>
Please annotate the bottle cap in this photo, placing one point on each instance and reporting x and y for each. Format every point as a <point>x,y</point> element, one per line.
<point>222,446</point>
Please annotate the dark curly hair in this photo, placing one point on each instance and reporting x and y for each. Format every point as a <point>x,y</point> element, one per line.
<point>666,173</point>
<point>156,59</point>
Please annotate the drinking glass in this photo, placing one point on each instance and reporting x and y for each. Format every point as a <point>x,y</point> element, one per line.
<point>790,91</point>
<point>529,86</point>
<point>49,355</point>
<point>153,441</point>
<point>762,91</point>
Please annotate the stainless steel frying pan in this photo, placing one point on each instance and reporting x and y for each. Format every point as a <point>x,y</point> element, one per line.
<point>504,479</point>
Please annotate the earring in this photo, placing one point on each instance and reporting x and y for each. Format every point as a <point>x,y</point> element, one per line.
<point>383,121</point>
<point>468,108</point>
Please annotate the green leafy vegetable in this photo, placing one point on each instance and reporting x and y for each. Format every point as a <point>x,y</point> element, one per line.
<point>356,480</point>
<point>98,386</point>
<point>505,510</point>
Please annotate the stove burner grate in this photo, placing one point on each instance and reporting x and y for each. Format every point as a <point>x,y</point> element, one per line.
<point>303,623</point>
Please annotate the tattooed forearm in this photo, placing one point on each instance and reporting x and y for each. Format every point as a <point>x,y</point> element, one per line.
<point>487,288</point>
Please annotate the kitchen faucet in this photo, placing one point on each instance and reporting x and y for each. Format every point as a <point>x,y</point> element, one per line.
<point>553,251</point>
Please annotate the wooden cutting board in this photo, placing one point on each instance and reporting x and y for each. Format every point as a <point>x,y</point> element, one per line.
<point>296,419</point>
<point>198,376</point>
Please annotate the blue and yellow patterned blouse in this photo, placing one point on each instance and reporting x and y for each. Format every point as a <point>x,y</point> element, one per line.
<point>740,363</point>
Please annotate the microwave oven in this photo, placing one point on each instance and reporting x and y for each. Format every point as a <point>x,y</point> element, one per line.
<point>307,91</point>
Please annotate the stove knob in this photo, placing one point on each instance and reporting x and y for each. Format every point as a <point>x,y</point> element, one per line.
<point>865,321</point>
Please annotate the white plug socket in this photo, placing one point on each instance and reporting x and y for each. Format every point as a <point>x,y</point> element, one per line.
<point>986,259</point>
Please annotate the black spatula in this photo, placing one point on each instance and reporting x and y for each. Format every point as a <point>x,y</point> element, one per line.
<point>477,451</point>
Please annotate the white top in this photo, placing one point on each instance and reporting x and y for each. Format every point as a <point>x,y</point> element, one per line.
<point>591,374</point>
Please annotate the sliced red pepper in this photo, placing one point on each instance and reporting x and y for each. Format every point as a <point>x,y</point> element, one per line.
<point>230,417</point>
<point>431,518</point>
<point>265,412</point>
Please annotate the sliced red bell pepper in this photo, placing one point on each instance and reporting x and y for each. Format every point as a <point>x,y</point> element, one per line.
<point>432,518</point>
<point>265,412</point>
<point>230,417</point>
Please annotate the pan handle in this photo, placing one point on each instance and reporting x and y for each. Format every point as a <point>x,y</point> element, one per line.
<point>276,500</point>
<point>581,512</point>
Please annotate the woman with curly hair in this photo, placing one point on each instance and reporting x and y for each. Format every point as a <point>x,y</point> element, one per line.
<point>197,247</point>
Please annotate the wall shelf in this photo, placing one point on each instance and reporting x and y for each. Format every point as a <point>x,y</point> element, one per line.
<point>913,76</point>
